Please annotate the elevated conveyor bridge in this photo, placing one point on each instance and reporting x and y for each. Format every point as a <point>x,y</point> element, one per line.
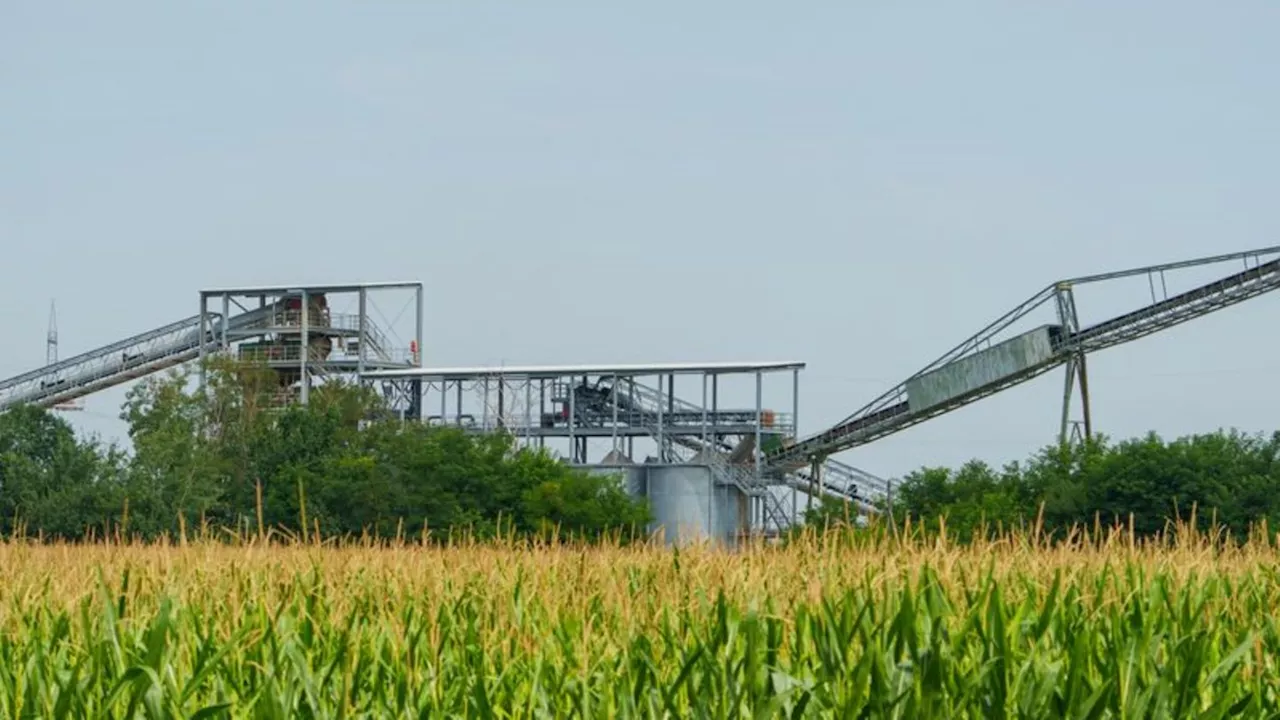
<point>995,359</point>
<point>120,362</point>
<point>271,325</point>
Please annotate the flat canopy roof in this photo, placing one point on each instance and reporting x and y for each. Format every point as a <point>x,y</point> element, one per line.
<point>556,371</point>
<point>328,288</point>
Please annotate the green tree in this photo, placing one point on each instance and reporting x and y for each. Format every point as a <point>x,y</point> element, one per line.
<point>52,483</point>
<point>318,462</point>
<point>176,467</point>
<point>971,498</point>
<point>1227,477</point>
<point>578,503</point>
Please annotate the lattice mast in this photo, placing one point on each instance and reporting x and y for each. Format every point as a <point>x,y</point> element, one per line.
<point>51,356</point>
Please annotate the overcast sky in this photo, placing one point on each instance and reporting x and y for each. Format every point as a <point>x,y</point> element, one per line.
<point>857,185</point>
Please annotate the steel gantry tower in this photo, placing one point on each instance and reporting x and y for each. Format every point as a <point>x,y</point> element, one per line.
<point>270,325</point>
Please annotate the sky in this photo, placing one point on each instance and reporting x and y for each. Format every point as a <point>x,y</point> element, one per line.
<point>857,185</point>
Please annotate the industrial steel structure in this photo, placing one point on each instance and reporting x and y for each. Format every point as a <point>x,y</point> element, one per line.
<point>619,404</point>
<point>739,467</point>
<point>293,330</point>
<point>615,402</point>
<point>270,324</point>
<point>995,358</point>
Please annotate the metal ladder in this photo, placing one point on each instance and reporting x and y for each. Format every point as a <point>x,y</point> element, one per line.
<point>746,480</point>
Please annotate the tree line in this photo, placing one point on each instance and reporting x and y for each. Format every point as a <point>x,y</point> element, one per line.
<point>227,455</point>
<point>1224,480</point>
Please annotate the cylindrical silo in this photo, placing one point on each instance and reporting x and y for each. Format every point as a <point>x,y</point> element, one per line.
<point>689,506</point>
<point>731,513</point>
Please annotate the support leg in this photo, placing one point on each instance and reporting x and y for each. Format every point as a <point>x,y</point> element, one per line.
<point>1076,369</point>
<point>817,467</point>
<point>305,349</point>
<point>1084,400</point>
<point>1067,392</point>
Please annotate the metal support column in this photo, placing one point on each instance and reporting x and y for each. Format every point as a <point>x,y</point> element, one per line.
<point>1075,370</point>
<point>1067,391</point>
<point>226,313</point>
<point>420,356</point>
<point>813,485</point>
<point>795,404</point>
<point>1075,366</point>
<point>362,335</point>
<point>1084,398</point>
<point>573,409</point>
<point>528,411</point>
<point>662,445</point>
<point>303,351</point>
<point>459,403</point>
<point>715,399</point>
<point>817,473</point>
<point>613,397</point>
<point>203,326</point>
<point>671,393</point>
<point>759,413</point>
<point>761,519</point>
<point>631,403</point>
<point>502,405</point>
<point>484,412</point>
<point>705,440</point>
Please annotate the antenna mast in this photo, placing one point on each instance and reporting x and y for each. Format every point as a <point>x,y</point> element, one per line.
<point>51,339</point>
<point>51,355</point>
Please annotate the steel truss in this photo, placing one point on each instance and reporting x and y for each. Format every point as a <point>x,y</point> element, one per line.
<point>227,329</point>
<point>892,411</point>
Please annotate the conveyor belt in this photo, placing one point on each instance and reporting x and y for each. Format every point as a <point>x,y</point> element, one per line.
<point>120,362</point>
<point>892,412</point>
<point>1180,308</point>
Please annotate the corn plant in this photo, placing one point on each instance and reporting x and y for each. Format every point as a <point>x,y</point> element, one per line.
<point>892,624</point>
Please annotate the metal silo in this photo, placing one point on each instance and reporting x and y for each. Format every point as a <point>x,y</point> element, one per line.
<point>690,506</point>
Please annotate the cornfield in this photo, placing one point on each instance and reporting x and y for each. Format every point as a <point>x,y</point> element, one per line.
<point>871,624</point>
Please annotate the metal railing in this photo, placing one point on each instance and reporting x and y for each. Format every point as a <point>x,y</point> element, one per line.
<point>324,320</point>
<point>120,362</point>
<point>752,485</point>
<point>592,420</point>
<point>281,353</point>
<point>651,397</point>
<point>681,412</point>
<point>842,481</point>
<point>293,353</point>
